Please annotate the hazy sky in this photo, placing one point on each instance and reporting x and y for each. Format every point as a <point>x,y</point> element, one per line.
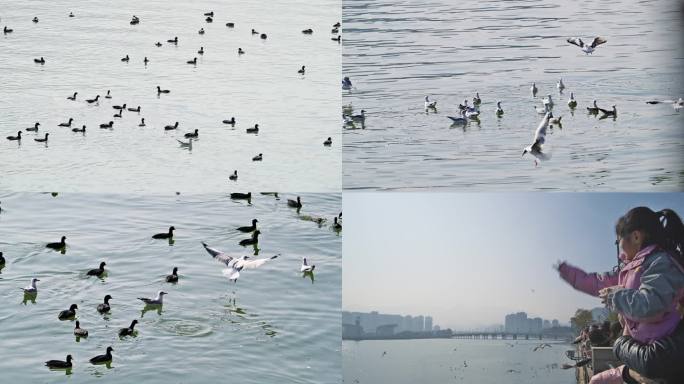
<point>469,259</point>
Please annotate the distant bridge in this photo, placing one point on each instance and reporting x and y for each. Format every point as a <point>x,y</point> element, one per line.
<point>510,335</point>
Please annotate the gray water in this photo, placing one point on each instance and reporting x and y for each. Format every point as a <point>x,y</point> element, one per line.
<point>442,361</point>
<point>295,113</point>
<point>272,326</point>
<point>398,52</point>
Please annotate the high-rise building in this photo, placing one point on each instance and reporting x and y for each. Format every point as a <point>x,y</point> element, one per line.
<point>428,323</point>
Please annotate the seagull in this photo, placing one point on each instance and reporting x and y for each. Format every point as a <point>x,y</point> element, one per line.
<point>31,288</point>
<point>159,300</point>
<point>535,149</point>
<point>236,264</point>
<point>184,144</point>
<point>499,110</point>
<point>361,117</point>
<point>430,104</point>
<point>560,85</point>
<point>534,89</point>
<point>586,48</point>
<point>306,267</point>
<point>459,120</point>
<point>548,101</point>
<point>572,103</point>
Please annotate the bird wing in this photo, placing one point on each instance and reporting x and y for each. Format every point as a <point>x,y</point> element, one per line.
<point>256,263</point>
<point>598,41</point>
<point>540,133</point>
<point>576,41</point>
<point>218,255</point>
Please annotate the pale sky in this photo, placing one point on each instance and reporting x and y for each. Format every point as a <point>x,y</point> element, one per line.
<point>468,259</point>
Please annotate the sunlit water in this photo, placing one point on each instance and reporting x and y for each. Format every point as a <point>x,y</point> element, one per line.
<point>295,113</point>
<point>398,52</point>
<point>272,326</point>
<point>455,361</point>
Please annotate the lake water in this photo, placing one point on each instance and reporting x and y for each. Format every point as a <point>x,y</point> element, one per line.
<point>398,52</point>
<point>271,326</point>
<point>295,113</point>
<point>442,361</point>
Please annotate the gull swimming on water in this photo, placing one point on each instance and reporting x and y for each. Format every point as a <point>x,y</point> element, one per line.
<point>159,300</point>
<point>560,85</point>
<point>31,288</point>
<point>586,48</point>
<point>535,149</point>
<point>548,101</point>
<point>459,120</point>
<point>430,104</point>
<point>306,267</point>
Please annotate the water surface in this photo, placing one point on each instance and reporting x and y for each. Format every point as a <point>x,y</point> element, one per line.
<point>396,53</point>
<point>455,361</point>
<point>295,113</point>
<point>271,326</point>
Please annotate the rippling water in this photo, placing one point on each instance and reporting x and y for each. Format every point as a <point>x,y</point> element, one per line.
<point>271,326</point>
<point>397,52</point>
<point>442,361</point>
<point>295,113</point>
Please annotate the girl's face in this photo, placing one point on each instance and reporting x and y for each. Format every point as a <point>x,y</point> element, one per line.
<point>631,244</point>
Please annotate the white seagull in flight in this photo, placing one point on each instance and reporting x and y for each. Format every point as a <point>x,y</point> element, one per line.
<point>588,49</point>
<point>236,264</point>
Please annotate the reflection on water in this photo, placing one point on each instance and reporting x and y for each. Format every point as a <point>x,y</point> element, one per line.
<point>271,316</point>
<point>397,53</point>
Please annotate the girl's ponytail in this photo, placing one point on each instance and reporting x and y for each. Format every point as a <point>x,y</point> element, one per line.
<point>673,234</point>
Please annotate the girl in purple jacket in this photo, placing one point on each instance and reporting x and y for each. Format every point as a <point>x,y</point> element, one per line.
<point>646,291</point>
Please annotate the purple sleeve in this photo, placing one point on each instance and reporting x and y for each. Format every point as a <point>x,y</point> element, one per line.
<point>589,283</point>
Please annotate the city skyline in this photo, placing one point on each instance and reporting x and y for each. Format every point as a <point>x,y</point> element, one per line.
<point>470,259</point>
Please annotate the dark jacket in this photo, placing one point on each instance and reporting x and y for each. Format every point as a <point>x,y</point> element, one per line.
<point>660,359</point>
